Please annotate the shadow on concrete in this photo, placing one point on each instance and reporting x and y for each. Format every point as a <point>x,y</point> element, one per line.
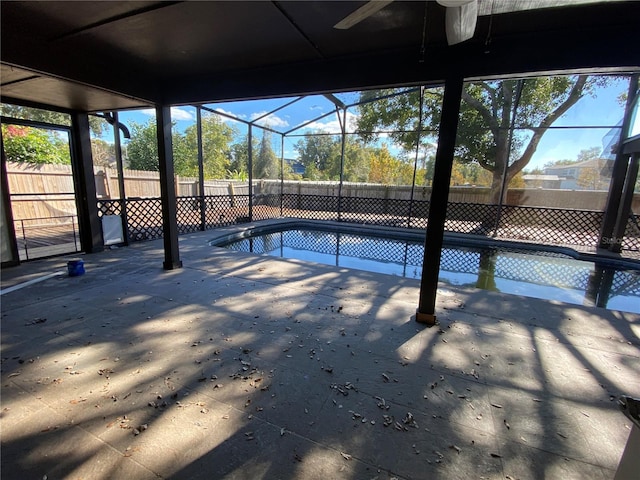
<point>243,366</point>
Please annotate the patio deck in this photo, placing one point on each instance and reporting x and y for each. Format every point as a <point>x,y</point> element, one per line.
<point>240,366</point>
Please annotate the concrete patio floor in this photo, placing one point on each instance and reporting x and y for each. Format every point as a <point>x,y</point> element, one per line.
<point>240,366</point>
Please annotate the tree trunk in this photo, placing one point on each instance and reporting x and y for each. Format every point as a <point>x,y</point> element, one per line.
<point>496,188</point>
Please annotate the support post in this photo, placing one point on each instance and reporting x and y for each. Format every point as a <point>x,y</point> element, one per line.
<point>281,172</point>
<point>85,185</point>
<point>343,128</point>
<point>10,255</point>
<point>120,167</point>
<point>167,189</point>
<point>617,235</point>
<point>415,161</point>
<point>439,197</point>
<point>618,175</point>
<point>203,216</point>
<point>250,167</point>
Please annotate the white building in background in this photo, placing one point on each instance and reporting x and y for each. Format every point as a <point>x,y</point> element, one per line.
<point>588,175</point>
<point>532,180</point>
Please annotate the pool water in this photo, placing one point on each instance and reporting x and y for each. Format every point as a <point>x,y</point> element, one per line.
<point>539,274</point>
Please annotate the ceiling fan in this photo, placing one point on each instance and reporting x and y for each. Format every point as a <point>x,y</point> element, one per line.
<point>460,17</point>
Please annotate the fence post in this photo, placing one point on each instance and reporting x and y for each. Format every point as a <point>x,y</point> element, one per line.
<point>232,195</point>
<point>102,183</point>
<point>24,237</point>
<point>386,199</point>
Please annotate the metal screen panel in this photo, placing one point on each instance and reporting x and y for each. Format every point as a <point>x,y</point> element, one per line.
<point>110,207</point>
<point>375,211</point>
<point>546,226</point>
<point>188,214</point>
<point>144,218</point>
<point>474,218</point>
<point>550,225</point>
<point>266,206</point>
<point>317,207</point>
<point>224,210</point>
<point>631,240</point>
<point>625,283</point>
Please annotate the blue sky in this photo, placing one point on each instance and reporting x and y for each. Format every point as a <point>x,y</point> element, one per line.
<point>603,110</point>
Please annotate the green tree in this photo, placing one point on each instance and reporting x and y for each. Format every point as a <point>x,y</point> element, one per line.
<point>486,118</point>
<point>425,174</point>
<point>98,125</point>
<point>34,145</point>
<point>266,164</point>
<point>239,157</point>
<point>356,161</point>
<point>457,176</point>
<point>216,147</point>
<point>560,163</point>
<point>387,169</point>
<point>320,154</point>
<point>517,181</point>
<point>589,178</point>
<point>469,174</point>
<point>583,156</point>
<point>142,150</point>
<point>103,153</point>
<point>586,154</point>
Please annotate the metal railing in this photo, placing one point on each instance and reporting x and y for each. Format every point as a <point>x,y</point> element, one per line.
<point>47,236</point>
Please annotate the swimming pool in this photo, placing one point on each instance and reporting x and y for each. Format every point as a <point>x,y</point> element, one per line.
<point>551,275</point>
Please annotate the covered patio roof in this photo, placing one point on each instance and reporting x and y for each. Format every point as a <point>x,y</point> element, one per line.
<point>96,56</point>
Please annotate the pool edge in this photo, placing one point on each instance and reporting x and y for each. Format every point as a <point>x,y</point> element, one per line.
<point>260,227</point>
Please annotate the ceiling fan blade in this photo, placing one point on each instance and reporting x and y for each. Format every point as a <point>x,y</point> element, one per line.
<point>460,22</point>
<point>361,14</point>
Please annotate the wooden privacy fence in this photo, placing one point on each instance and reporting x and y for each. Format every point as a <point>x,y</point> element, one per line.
<point>46,191</point>
<point>144,184</point>
<point>41,191</point>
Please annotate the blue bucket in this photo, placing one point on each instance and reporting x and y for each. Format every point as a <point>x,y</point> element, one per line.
<point>75,268</point>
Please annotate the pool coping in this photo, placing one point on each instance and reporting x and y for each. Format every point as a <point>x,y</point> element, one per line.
<point>237,232</point>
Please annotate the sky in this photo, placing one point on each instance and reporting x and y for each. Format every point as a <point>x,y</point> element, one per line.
<point>602,110</point>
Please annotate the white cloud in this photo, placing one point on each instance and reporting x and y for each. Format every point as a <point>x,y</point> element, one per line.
<point>272,120</point>
<point>227,119</point>
<point>226,112</point>
<point>177,113</point>
<point>180,114</point>
<point>331,126</point>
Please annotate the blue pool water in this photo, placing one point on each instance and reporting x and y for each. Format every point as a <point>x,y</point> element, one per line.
<point>539,274</point>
